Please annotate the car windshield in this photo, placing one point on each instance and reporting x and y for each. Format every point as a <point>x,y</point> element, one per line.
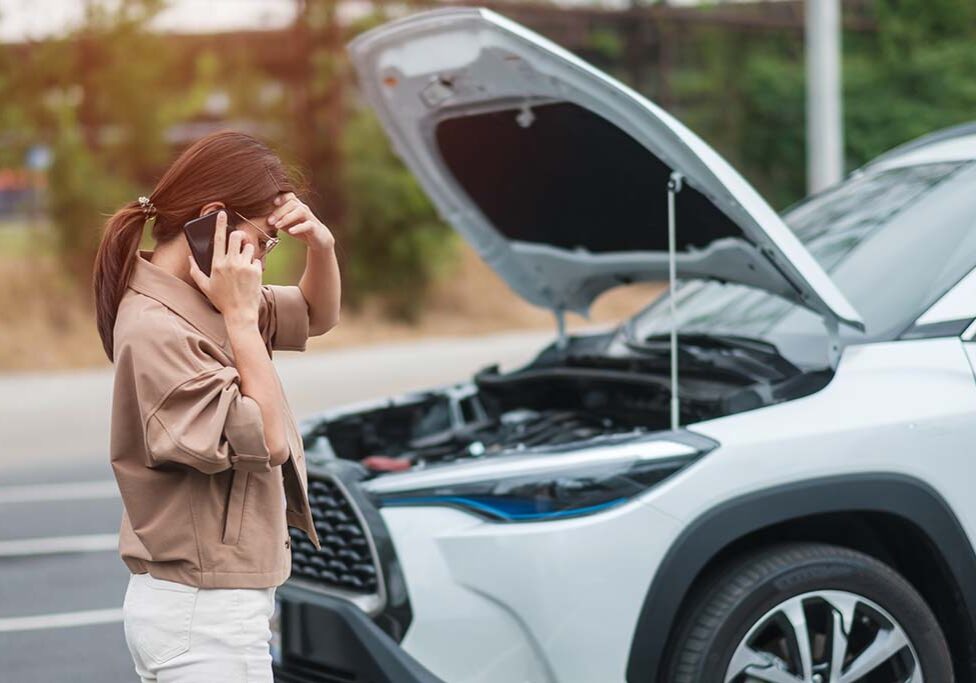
<point>893,241</point>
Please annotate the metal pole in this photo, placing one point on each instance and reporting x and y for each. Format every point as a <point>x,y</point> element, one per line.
<point>825,132</point>
<point>674,187</point>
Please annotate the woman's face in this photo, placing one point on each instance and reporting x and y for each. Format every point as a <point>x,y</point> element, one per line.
<point>257,233</point>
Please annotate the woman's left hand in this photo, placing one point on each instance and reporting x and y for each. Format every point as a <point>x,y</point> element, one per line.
<point>293,216</point>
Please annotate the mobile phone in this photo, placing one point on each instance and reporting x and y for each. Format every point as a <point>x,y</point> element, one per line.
<point>200,236</point>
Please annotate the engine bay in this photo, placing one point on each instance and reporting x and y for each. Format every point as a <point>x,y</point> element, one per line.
<point>566,396</point>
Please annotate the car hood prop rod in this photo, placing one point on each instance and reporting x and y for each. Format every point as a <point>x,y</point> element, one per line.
<point>675,183</point>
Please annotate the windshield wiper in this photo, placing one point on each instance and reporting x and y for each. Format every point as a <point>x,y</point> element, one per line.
<point>701,339</point>
<point>714,341</point>
<point>755,356</point>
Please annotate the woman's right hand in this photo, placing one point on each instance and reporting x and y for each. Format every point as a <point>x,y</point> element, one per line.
<point>234,285</point>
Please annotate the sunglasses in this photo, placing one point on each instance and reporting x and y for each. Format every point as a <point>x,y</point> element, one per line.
<point>266,244</point>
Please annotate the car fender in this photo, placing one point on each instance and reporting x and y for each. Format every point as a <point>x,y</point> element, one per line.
<point>702,540</point>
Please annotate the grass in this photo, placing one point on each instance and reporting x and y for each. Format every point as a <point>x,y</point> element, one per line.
<point>45,321</point>
<point>19,237</point>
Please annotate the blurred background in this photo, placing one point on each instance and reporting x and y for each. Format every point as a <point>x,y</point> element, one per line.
<point>98,96</point>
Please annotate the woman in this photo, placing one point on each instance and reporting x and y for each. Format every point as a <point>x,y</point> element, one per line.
<point>204,446</point>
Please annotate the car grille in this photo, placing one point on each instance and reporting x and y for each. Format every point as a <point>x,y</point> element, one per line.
<point>346,560</point>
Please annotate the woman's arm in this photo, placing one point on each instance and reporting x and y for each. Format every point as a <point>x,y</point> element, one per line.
<point>320,283</point>
<point>234,287</point>
<point>259,381</point>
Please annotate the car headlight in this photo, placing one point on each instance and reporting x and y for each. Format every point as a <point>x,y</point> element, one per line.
<point>544,485</point>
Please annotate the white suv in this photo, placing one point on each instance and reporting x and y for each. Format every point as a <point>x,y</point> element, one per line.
<point>799,508</point>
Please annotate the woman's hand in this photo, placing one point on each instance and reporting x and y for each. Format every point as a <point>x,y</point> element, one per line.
<point>295,218</point>
<point>234,285</point>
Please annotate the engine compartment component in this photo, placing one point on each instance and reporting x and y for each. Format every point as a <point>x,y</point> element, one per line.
<point>421,434</point>
<point>551,401</point>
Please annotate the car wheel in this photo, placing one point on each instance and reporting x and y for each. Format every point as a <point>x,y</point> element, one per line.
<point>811,613</point>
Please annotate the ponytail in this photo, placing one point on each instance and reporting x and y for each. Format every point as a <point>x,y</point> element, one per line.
<point>113,266</point>
<point>197,176</point>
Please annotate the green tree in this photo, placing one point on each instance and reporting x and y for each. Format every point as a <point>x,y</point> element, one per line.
<point>103,98</point>
<point>81,191</point>
<point>400,245</point>
<point>391,245</point>
<point>910,76</point>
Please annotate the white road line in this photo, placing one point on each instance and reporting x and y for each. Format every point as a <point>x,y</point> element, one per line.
<point>79,490</point>
<point>42,621</point>
<point>59,544</point>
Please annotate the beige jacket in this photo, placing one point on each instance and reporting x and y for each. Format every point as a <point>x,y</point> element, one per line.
<point>202,504</point>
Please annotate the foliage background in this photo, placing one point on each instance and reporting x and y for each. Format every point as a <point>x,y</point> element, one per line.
<point>911,76</point>
<point>115,101</point>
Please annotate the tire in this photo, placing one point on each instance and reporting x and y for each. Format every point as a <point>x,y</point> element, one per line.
<point>745,611</point>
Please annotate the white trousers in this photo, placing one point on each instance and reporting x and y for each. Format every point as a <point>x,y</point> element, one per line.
<point>184,634</point>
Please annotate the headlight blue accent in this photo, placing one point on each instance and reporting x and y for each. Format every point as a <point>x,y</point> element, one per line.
<point>506,510</point>
<point>547,494</point>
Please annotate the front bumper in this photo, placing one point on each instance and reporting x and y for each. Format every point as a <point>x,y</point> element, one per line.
<point>326,639</point>
<point>547,602</point>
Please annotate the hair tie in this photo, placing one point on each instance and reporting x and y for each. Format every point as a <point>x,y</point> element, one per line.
<point>148,208</point>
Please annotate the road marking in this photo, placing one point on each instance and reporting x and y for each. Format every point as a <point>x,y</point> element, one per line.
<point>59,544</point>
<point>80,490</point>
<point>42,621</point>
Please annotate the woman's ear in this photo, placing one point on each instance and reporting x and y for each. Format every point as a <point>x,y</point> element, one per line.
<point>211,207</point>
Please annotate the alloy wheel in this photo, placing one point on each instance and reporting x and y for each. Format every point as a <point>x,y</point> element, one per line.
<point>826,636</point>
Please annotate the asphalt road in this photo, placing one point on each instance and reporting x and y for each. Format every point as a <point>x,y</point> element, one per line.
<point>61,580</point>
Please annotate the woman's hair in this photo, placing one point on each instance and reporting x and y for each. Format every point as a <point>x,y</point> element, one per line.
<point>234,168</point>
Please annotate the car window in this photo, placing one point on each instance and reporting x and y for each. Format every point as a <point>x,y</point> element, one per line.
<point>893,241</point>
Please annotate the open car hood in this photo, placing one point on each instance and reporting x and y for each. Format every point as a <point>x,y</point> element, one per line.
<point>557,174</point>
